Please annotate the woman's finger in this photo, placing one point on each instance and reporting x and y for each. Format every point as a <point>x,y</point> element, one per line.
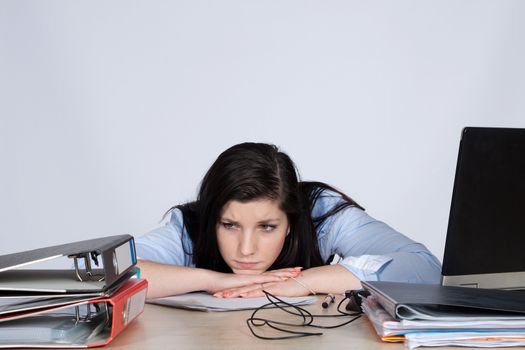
<point>236,292</point>
<point>231,281</point>
<point>253,294</point>
<point>273,288</point>
<point>254,279</point>
<point>284,289</point>
<point>287,273</point>
<point>231,292</point>
<point>287,269</point>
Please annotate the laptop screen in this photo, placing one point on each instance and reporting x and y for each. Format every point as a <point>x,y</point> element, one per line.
<point>485,244</point>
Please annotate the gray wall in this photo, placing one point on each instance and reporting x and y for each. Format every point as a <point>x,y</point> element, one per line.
<point>112,111</point>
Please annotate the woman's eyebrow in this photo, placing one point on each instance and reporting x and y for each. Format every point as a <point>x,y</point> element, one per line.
<point>276,220</point>
<point>265,221</point>
<point>228,220</point>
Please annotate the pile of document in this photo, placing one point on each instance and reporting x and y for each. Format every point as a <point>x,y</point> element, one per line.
<point>434,315</point>
<point>84,304</point>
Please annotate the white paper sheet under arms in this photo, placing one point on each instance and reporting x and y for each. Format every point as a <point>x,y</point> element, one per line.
<point>206,302</point>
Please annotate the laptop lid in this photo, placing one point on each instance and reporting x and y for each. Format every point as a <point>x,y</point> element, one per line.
<point>485,245</point>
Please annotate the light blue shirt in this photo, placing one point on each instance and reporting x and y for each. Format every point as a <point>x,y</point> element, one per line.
<point>370,249</point>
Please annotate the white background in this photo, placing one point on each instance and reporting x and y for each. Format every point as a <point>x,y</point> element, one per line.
<point>112,111</point>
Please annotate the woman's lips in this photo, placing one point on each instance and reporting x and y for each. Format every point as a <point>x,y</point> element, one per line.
<point>246,265</point>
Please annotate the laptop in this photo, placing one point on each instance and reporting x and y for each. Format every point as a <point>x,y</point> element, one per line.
<point>485,245</point>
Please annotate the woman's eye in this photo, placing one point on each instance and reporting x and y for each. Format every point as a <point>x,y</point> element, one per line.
<point>268,228</point>
<point>228,225</point>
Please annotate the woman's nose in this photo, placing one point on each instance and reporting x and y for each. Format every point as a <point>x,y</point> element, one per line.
<point>248,243</point>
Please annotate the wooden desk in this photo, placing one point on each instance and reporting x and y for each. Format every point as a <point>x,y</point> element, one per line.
<point>164,328</point>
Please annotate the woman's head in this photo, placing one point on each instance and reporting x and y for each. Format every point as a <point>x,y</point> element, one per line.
<point>248,197</point>
<point>253,214</point>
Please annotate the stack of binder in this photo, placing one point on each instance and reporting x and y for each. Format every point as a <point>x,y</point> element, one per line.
<point>85,304</point>
<point>434,315</point>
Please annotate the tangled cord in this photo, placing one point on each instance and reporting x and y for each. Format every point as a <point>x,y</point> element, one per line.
<point>308,318</point>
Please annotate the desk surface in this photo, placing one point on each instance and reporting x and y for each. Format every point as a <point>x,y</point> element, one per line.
<point>161,327</point>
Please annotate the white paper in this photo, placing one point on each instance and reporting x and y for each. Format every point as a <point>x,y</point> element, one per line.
<point>432,313</point>
<point>473,332</point>
<point>469,339</point>
<point>386,325</point>
<point>206,302</point>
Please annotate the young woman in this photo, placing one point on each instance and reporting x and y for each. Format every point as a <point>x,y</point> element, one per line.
<point>255,226</point>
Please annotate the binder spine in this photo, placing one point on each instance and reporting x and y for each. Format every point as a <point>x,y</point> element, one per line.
<point>126,306</point>
<point>119,260</point>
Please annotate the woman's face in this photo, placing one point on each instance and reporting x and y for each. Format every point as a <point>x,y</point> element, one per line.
<point>251,234</point>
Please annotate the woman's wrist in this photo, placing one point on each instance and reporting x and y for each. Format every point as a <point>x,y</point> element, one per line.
<point>330,279</point>
<point>209,279</point>
<point>304,282</point>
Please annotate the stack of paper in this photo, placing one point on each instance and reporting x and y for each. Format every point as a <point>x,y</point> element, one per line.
<point>71,307</point>
<point>207,302</point>
<point>441,316</point>
<point>485,332</point>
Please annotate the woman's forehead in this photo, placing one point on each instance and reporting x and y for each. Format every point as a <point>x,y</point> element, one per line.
<point>257,209</point>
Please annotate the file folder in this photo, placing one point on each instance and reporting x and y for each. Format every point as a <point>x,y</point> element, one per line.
<point>434,301</point>
<point>82,324</point>
<point>33,301</point>
<point>114,258</point>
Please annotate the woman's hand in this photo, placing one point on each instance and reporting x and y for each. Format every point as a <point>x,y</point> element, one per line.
<point>322,279</point>
<point>287,288</point>
<point>230,281</point>
<point>165,280</point>
<point>288,272</point>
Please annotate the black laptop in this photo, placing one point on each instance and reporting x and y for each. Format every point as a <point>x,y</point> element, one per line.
<point>485,245</point>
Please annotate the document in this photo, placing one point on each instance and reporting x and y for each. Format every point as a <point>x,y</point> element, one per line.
<point>487,331</point>
<point>14,305</point>
<point>205,302</point>
<point>436,302</point>
<point>466,339</point>
<point>385,325</point>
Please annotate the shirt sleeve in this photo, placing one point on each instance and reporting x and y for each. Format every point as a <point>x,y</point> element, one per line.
<point>168,244</point>
<point>374,251</point>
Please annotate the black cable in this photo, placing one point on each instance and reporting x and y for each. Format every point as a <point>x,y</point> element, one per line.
<point>307,319</point>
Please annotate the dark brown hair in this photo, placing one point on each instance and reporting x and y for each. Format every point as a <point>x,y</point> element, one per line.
<point>249,171</point>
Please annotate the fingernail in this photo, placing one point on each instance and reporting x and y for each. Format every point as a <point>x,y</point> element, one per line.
<point>226,294</point>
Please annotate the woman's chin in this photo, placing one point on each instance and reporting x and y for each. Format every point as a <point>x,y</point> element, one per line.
<point>247,271</point>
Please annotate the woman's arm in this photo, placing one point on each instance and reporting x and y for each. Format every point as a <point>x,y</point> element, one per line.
<point>333,279</point>
<point>372,250</point>
<point>165,280</point>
